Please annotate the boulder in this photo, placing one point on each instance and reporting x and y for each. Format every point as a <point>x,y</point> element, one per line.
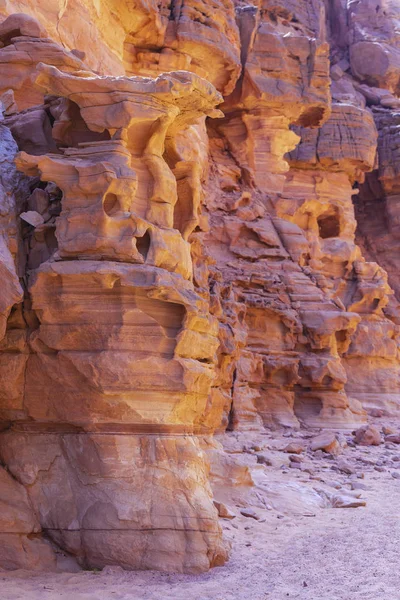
<point>367,436</point>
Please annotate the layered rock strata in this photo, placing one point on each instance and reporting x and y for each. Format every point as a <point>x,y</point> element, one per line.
<point>325,167</point>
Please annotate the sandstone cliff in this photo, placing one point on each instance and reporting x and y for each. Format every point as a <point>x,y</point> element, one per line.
<point>199,233</point>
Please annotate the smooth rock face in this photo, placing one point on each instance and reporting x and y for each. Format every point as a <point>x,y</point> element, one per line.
<point>375,42</point>
<point>170,524</point>
<point>22,545</point>
<point>183,251</point>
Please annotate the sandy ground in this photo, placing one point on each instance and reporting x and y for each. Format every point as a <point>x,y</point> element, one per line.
<point>330,554</point>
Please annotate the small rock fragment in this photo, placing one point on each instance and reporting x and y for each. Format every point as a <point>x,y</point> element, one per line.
<point>32,218</point>
<point>345,467</point>
<point>264,459</point>
<point>112,570</point>
<point>356,485</point>
<point>342,501</point>
<point>377,413</point>
<point>393,438</point>
<point>334,484</point>
<point>327,442</point>
<point>295,458</point>
<point>249,512</point>
<point>294,448</point>
<point>319,454</point>
<point>256,448</point>
<point>388,430</point>
<point>223,511</point>
<point>295,465</point>
<point>336,72</point>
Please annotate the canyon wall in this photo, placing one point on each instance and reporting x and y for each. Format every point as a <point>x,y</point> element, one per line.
<point>198,234</point>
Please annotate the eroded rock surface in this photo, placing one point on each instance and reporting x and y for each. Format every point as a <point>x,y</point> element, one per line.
<point>198,234</point>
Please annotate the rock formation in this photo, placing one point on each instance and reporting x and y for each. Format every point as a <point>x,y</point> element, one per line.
<point>113,369</point>
<point>198,234</point>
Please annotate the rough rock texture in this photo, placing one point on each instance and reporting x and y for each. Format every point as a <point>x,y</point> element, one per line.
<point>117,342</point>
<point>377,203</point>
<point>145,37</point>
<point>182,188</point>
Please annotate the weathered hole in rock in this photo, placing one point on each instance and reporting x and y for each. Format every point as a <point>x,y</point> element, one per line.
<point>50,239</point>
<point>312,117</point>
<point>143,245</point>
<point>169,315</point>
<point>75,131</point>
<point>375,303</point>
<point>111,204</point>
<point>341,340</point>
<point>305,406</point>
<point>329,226</point>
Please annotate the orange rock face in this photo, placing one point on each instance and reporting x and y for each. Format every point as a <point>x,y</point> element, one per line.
<point>198,233</point>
